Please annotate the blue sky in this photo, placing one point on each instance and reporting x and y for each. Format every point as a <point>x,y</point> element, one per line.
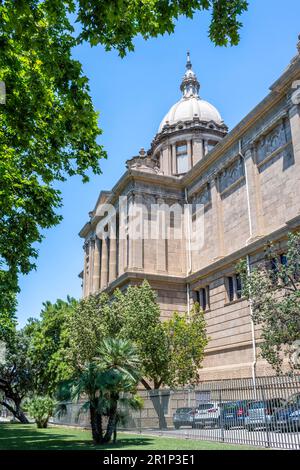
<point>133,94</point>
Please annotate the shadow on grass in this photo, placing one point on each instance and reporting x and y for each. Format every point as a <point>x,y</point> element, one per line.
<point>28,437</point>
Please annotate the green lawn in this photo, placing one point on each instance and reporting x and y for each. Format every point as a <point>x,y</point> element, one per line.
<point>28,437</point>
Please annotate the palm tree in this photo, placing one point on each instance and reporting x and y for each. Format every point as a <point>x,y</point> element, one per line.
<point>114,371</point>
<point>87,383</point>
<point>120,364</point>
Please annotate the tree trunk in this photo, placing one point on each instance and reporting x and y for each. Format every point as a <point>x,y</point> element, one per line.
<point>94,416</point>
<point>112,419</point>
<point>156,400</point>
<point>115,434</point>
<point>17,411</point>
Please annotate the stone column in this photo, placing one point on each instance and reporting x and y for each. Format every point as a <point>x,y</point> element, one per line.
<point>112,257</point>
<point>174,160</point>
<point>96,265</point>
<point>104,263</point>
<point>136,242</point>
<point>91,265</point>
<point>218,218</point>
<point>161,242</point>
<point>123,215</point>
<point>205,144</point>
<point>197,150</point>
<point>190,153</point>
<point>85,270</point>
<point>165,160</point>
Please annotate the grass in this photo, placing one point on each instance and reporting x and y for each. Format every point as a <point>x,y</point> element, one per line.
<point>28,437</point>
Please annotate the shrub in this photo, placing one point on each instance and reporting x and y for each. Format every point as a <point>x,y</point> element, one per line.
<point>41,408</point>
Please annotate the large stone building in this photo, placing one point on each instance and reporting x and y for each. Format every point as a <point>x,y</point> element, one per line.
<point>247,180</point>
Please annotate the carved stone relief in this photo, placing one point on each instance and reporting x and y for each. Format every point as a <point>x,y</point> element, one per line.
<point>231,174</point>
<point>271,142</point>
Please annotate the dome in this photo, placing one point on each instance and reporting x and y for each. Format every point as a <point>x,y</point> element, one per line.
<point>190,106</point>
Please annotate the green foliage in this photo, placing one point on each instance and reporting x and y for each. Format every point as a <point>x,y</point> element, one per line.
<point>41,408</point>
<point>48,128</point>
<point>143,325</point>
<point>49,340</point>
<point>115,370</point>
<point>187,336</point>
<point>87,329</point>
<point>115,23</point>
<point>274,291</point>
<point>17,375</point>
<point>171,352</point>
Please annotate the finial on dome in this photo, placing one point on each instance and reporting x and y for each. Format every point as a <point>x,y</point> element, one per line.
<point>188,61</point>
<point>189,85</point>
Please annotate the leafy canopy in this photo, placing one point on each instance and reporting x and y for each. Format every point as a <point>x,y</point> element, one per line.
<point>49,339</point>
<point>170,352</point>
<point>115,23</point>
<point>41,409</point>
<point>48,126</point>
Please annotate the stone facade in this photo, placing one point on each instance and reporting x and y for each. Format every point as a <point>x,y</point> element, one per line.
<point>248,184</point>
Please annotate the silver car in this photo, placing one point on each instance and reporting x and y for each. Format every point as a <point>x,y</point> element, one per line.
<point>260,413</point>
<point>183,417</point>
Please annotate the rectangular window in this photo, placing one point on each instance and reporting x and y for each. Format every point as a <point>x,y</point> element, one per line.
<point>234,287</point>
<point>238,286</point>
<point>203,298</point>
<point>230,288</point>
<point>181,149</point>
<point>182,159</point>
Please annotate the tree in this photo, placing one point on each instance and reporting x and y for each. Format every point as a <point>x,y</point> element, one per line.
<point>115,370</point>
<point>41,408</point>
<point>170,352</point>
<point>16,377</point>
<point>87,328</point>
<point>187,337</point>
<point>49,340</point>
<point>48,126</point>
<point>120,366</point>
<point>273,289</point>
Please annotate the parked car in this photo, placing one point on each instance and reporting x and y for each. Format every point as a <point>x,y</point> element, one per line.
<point>184,417</point>
<point>260,413</point>
<point>208,414</point>
<point>287,418</point>
<point>233,414</point>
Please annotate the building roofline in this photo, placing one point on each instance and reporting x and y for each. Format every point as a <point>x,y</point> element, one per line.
<point>278,88</point>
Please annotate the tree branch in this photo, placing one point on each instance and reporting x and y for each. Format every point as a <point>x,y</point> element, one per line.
<point>146,385</point>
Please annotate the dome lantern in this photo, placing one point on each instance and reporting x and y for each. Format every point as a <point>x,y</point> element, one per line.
<point>189,85</point>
